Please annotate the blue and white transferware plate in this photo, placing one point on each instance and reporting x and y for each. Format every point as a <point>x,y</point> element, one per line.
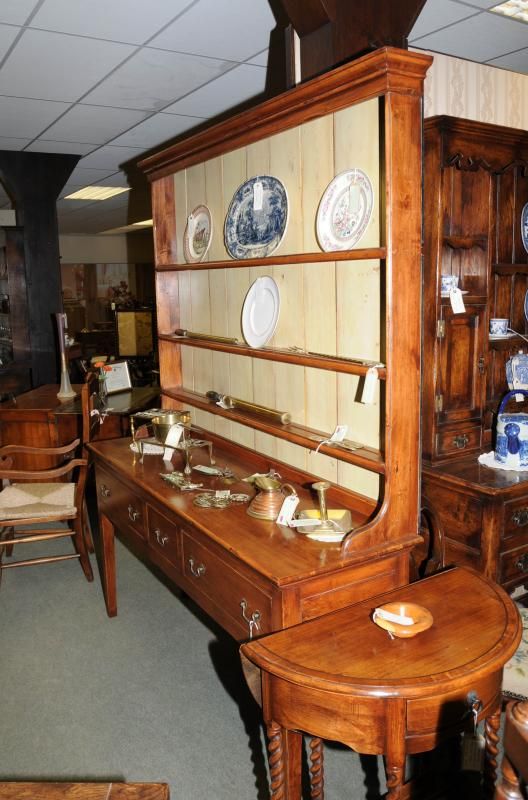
<point>345,210</point>
<point>257,218</point>
<point>524,227</point>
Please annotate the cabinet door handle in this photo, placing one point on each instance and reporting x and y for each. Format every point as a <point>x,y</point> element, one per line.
<point>162,539</point>
<point>482,365</point>
<point>104,491</point>
<point>133,514</point>
<point>196,569</point>
<point>253,621</point>
<point>522,563</point>
<point>461,441</point>
<point>520,517</point>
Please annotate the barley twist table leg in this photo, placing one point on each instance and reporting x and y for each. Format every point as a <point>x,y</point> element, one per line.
<point>508,787</point>
<point>276,762</point>
<point>316,769</point>
<point>490,754</point>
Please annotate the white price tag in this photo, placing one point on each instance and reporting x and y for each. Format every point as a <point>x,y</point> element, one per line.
<point>174,435</point>
<point>258,196</point>
<point>457,301</point>
<point>519,398</point>
<point>354,198</point>
<point>222,493</point>
<point>308,522</point>
<point>167,453</point>
<point>339,433</point>
<point>369,389</point>
<point>190,226</point>
<point>288,509</point>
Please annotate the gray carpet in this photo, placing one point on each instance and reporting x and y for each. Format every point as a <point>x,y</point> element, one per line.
<point>154,694</point>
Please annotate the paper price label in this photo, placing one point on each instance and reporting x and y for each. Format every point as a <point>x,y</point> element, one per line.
<point>369,389</point>
<point>457,301</point>
<point>339,433</point>
<point>174,435</point>
<point>222,493</point>
<point>258,196</point>
<point>167,453</point>
<point>288,509</point>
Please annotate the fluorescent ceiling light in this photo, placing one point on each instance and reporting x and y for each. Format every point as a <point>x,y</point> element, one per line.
<point>96,193</point>
<point>514,9</point>
<point>134,226</point>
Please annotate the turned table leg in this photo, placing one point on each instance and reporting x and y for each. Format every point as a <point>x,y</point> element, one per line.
<point>108,577</point>
<point>316,769</point>
<point>284,750</point>
<point>490,754</point>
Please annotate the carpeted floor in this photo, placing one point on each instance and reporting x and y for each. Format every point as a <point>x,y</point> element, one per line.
<point>154,694</point>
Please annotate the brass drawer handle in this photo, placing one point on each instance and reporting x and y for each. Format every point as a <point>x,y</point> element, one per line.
<point>520,517</point>
<point>461,441</point>
<point>197,570</point>
<point>162,539</point>
<point>253,621</point>
<point>522,563</point>
<point>133,514</point>
<point>104,491</point>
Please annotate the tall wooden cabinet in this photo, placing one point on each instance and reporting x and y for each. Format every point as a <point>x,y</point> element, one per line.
<point>342,312</point>
<point>475,187</point>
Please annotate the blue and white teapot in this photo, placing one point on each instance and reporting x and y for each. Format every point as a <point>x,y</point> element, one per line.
<point>511,447</point>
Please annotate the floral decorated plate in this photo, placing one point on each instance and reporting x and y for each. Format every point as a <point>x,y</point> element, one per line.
<point>198,234</point>
<point>524,226</point>
<point>257,218</point>
<point>345,210</point>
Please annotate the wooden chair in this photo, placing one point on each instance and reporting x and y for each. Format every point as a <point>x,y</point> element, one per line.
<point>84,791</point>
<point>515,761</point>
<point>41,497</point>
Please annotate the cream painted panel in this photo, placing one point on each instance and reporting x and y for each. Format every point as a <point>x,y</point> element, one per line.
<point>358,480</point>
<point>240,368</point>
<point>321,414</point>
<point>215,203</point>
<point>263,382</point>
<point>234,173</point>
<point>285,164</point>
<point>356,139</point>
<point>320,316</point>
<point>220,378</point>
<point>258,158</point>
<point>180,202</point>
<point>358,309</point>
<point>317,155</point>
<point>290,397</point>
<point>184,280</point>
<point>201,322</point>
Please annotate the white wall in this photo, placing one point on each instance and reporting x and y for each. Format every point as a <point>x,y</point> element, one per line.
<point>118,249</point>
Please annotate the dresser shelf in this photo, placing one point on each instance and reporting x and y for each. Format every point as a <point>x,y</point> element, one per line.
<point>466,242</point>
<point>359,254</point>
<point>510,269</point>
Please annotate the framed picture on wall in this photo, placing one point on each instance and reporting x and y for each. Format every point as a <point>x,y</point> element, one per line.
<point>117,377</point>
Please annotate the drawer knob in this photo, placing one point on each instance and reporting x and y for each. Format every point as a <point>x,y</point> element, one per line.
<point>133,514</point>
<point>253,621</point>
<point>196,569</point>
<point>522,563</point>
<point>104,491</point>
<point>520,517</point>
<point>162,539</point>
<point>461,441</point>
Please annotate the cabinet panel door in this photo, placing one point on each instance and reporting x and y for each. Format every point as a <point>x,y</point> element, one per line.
<point>461,365</point>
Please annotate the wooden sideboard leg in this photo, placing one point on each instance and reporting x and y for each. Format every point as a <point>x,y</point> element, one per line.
<point>509,787</point>
<point>108,577</point>
<point>284,749</point>
<point>316,769</point>
<point>490,754</point>
<point>395,749</point>
<point>276,761</point>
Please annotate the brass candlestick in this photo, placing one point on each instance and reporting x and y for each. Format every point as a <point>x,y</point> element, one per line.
<point>321,487</point>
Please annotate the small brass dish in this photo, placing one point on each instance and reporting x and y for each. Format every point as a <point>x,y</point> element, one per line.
<point>421,617</point>
<point>334,529</point>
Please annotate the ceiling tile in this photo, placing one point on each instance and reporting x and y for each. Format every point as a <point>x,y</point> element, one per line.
<point>157,129</point>
<point>92,124</point>
<point>437,14</point>
<point>8,34</point>
<point>88,176</point>
<point>51,146</point>
<point>231,29</point>
<point>27,118</point>
<point>23,75</point>
<point>153,78</point>
<point>478,3</point>
<point>230,89</point>
<point>12,143</point>
<point>115,20</point>
<point>479,38</point>
<point>260,59</point>
<point>16,12</point>
<point>110,156</point>
<point>518,62</point>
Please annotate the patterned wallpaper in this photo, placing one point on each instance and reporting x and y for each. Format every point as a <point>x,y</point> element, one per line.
<point>475,91</point>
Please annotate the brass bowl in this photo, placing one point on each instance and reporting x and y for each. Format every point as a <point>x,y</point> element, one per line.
<point>422,619</point>
<point>162,424</point>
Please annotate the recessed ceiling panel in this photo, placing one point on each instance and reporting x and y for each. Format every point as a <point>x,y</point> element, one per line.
<point>50,146</point>
<point>230,89</point>
<point>8,34</point>
<point>72,65</point>
<point>20,117</point>
<point>93,124</point>
<point>518,62</point>
<point>110,157</point>
<point>88,176</point>
<point>260,59</point>
<point>479,38</point>
<point>16,12</point>
<point>437,14</point>
<point>12,143</point>
<point>156,129</point>
<point>479,3</point>
<point>152,79</point>
<point>230,29</point>
<point>118,20</point>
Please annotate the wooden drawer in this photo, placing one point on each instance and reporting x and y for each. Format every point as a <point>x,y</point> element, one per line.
<point>164,536</point>
<point>516,516</point>
<point>120,504</point>
<point>222,588</point>
<point>458,440</point>
<point>514,565</point>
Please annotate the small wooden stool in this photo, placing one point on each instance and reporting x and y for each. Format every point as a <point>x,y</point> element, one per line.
<point>84,791</point>
<point>341,677</point>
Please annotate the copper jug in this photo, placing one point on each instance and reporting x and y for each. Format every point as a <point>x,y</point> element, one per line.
<point>269,499</point>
